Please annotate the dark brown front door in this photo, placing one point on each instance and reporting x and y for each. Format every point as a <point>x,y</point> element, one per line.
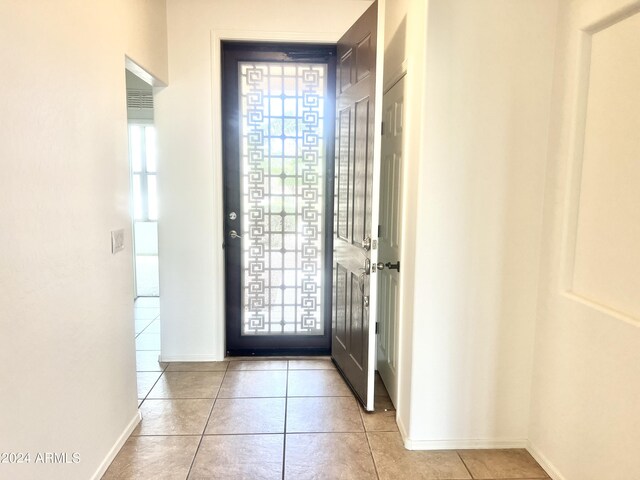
<point>355,231</point>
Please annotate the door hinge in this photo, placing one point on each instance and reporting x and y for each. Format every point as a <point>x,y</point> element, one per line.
<point>381,128</point>
<point>377,323</point>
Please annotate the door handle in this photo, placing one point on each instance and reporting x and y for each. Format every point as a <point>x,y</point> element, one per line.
<point>367,266</point>
<point>389,265</point>
<point>234,234</point>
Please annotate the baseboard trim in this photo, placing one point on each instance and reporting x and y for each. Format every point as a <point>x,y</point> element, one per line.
<point>190,358</point>
<point>458,444</point>
<point>544,462</point>
<point>403,431</point>
<point>117,446</point>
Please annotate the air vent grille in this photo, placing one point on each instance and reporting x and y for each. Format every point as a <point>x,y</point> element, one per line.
<point>139,99</point>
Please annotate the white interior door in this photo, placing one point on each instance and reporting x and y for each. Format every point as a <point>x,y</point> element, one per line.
<point>389,236</point>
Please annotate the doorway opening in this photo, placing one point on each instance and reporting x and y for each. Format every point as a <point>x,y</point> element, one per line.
<point>144,223</point>
<point>142,157</point>
<point>278,106</point>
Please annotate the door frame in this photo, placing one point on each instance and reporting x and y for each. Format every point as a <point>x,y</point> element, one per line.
<point>217,37</point>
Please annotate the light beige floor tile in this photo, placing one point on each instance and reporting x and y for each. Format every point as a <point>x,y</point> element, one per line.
<point>146,313</point>
<point>141,325</point>
<point>197,366</point>
<point>311,365</point>
<point>317,383</point>
<point>258,365</point>
<point>187,385</point>
<point>328,456</point>
<point>235,457</point>
<point>154,326</point>
<point>247,415</point>
<point>323,414</point>
<point>380,421</point>
<point>160,458</point>
<point>265,383</point>
<point>148,341</point>
<point>174,417</point>
<point>147,361</point>
<point>394,462</point>
<point>383,419</point>
<point>496,464</point>
<point>146,381</point>
<point>380,390</point>
<point>147,302</point>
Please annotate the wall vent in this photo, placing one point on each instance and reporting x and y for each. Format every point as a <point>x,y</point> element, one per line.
<point>139,99</point>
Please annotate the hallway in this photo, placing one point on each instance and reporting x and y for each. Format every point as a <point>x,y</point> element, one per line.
<point>255,418</point>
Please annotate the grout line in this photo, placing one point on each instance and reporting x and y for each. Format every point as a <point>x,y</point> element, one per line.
<point>284,441</point>
<point>323,432</point>
<point>152,387</point>
<point>366,435</point>
<point>206,424</point>
<point>148,325</point>
<point>257,369</point>
<point>465,465</point>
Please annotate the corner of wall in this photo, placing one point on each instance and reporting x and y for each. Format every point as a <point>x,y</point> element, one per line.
<point>102,468</point>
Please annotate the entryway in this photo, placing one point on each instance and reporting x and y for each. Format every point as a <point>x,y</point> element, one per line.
<point>299,253</point>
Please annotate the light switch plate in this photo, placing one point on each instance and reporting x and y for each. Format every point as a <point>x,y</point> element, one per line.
<point>117,241</point>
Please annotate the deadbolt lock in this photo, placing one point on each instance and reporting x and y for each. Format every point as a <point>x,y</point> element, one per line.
<point>389,266</point>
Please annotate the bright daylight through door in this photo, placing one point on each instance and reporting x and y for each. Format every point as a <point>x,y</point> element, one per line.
<point>282,190</point>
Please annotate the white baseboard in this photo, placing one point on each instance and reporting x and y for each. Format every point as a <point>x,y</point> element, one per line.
<point>117,446</point>
<point>190,358</point>
<point>463,444</point>
<point>551,470</point>
<point>457,444</point>
<point>403,430</point>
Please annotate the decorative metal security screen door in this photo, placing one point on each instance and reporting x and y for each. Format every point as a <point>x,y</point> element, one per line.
<point>278,167</point>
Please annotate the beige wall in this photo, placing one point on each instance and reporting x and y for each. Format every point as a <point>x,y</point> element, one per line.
<point>66,310</point>
<point>190,184</point>
<point>584,411</point>
<point>475,191</point>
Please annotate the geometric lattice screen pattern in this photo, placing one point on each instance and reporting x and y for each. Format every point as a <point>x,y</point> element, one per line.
<point>282,186</point>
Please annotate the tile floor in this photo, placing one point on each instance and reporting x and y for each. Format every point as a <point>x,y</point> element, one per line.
<point>147,331</point>
<point>280,419</point>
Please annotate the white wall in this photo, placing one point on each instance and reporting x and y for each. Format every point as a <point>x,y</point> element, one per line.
<point>189,163</point>
<point>66,311</point>
<point>477,208</point>
<point>585,419</point>
<point>405,50</point>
